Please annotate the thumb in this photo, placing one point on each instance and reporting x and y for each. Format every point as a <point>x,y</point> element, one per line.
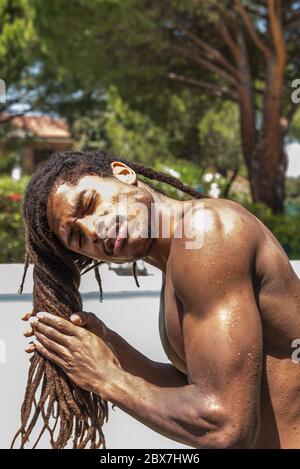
<point>79,318</point>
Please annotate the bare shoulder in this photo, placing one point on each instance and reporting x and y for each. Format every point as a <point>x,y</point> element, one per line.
<point>220,265</point>
<point>224,239</point>
<point>219,224</point>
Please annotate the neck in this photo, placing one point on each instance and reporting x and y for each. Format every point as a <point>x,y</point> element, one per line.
<point>164,217</point>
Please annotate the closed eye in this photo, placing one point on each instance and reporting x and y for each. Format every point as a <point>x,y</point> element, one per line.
<point>87,209</point>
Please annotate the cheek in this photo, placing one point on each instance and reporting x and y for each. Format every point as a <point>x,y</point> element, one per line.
<point>139,223</point>
<point>144,202</point>
<point>109,192</point>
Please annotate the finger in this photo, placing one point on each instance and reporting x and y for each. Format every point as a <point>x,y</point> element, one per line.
<point>27,315</point>
<point>79,319</point>
<point>48,331</point>
<point>52,346</point>
<point>91,322</point>
<point>28,333</point>
<point>58,323</point>
<point>30,349</point>
<point>47,354</point>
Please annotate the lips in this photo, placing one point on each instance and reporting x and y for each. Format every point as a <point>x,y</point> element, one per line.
<point>109,242</point>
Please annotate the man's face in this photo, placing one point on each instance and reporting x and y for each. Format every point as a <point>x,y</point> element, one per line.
<point>112,222</point>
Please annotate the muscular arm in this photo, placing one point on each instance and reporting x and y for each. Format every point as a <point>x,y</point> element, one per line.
<point>137,364</point>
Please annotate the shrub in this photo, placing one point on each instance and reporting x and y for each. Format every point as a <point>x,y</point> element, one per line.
<point>11,222</point>
<point>285,227</point>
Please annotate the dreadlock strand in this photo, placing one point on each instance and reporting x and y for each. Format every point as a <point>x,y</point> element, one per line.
<point>165,178</point>
<point>135,274</point>
<point>39,436</point>
<point>91,267</point>
<point>26,265</point>
<point>98,278</point>
<point>36,369</point>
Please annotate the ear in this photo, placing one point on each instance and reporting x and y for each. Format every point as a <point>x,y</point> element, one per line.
<point>122,172</point>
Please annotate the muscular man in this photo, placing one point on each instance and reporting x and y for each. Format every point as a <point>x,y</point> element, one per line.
<point>229,312</point>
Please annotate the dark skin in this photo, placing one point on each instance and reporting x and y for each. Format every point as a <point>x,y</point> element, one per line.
<point>226,326</point>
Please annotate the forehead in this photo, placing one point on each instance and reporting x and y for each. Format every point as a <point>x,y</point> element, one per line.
<point>63,198</point>
<point>105,187</point>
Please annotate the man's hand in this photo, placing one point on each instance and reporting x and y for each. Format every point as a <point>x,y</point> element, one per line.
<point>131,360</point>
<point>81,318</point>
<point>85,357</point>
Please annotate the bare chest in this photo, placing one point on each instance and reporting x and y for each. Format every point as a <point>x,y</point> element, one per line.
<point>170,326</point>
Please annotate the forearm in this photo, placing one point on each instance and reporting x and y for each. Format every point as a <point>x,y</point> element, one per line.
<point>177,413</point>
<point>135,363</point>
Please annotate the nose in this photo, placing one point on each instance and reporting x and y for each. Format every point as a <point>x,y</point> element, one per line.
<point>87,226</point>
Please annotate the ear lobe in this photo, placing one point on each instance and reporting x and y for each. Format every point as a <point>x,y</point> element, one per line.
<point>123,172</point>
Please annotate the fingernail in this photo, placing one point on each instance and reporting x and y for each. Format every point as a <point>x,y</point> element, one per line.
<point>41,314</point>
<point>29,349</point>
<point>33,320</point>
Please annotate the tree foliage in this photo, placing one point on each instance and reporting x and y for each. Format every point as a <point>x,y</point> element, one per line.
<point>240,50</point>
<point>219,133</point>
<point>16,41</point>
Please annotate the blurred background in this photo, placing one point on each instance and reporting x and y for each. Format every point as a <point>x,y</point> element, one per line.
<point>204,90</point>
<point>208,91</point>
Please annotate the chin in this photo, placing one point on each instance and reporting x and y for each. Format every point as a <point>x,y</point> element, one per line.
<point>139,247</point>
<point>134,249</point>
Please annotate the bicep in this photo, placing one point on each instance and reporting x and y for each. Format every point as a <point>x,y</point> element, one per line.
<point>224,358</point>
<point>223,345</point>
<point>221,327</point>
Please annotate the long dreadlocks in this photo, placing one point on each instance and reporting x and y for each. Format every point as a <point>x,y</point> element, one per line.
<point>66,410</point>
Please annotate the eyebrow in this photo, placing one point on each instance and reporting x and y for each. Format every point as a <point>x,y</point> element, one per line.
<point>74,213</point>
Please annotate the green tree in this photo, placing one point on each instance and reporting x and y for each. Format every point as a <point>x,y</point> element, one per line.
<point>135,136</point>
<point>238,50</point>
<point>294,133</point>
<point>16,40</point>
<point>219,133</point>
<point>126,132</point>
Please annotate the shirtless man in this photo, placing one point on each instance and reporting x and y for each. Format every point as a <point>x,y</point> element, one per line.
<point>229,313</point>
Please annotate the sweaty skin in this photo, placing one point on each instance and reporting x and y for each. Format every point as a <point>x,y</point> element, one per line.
<point>229,312</point>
